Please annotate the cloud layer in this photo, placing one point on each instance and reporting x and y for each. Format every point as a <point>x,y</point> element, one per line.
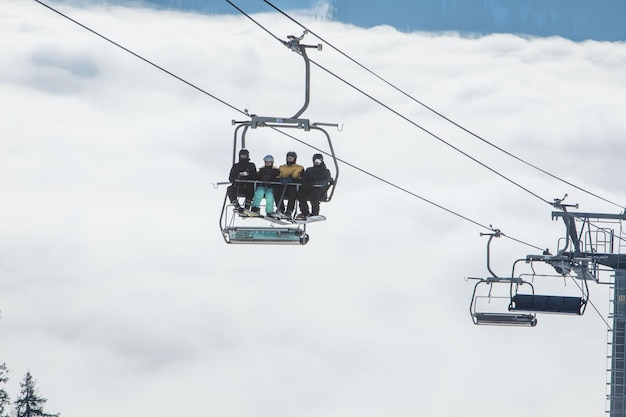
<point>118,293</point>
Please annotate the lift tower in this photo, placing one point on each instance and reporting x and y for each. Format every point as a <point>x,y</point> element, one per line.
<point>595,246</point>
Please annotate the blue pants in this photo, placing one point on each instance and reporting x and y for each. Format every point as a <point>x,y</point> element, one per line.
<point>261,192</point>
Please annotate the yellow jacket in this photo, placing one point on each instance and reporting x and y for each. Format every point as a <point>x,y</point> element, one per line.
<point>293,172</point>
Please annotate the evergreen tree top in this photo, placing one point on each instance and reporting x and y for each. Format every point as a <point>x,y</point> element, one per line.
<point>29,403</point>
<point>4,397</point>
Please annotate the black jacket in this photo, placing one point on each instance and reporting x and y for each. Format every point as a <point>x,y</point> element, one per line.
<point>267,174</point>
<point>316,176</point>
<point>236,172</point>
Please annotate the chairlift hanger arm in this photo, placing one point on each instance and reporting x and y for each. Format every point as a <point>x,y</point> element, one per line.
<point>570,224</point>
<point>294,44</point>
<point>515,264</point>
<point>496,233</point>
<point>294,121</point>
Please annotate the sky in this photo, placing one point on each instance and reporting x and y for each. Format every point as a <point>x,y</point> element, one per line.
<point>575,20</point>
<point>119,295</point>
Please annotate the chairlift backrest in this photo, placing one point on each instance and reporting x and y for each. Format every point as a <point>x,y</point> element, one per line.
<point>548,304</point>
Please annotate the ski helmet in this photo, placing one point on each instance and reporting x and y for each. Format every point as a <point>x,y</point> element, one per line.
<point>318,158</point>
<point>268,158</point>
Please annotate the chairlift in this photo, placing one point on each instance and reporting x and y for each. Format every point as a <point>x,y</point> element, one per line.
<point>497,318</point>
<point>563,263</point>
<point>483,314</point>
<point>282,231</point>
<point>557,304</point>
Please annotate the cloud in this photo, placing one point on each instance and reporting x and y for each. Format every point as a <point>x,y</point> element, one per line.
<point>118,292</point>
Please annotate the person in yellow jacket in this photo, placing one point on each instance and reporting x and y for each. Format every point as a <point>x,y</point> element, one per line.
<point>290,174</point>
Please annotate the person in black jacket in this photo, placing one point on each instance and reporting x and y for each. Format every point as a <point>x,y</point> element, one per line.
<point>265,189</point>
<point>245,171</point>
<point>315,182</point>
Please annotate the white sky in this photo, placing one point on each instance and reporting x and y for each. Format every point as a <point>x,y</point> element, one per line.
<point>118,293</point>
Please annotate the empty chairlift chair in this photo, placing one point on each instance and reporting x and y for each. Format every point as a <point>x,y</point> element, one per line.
<point>490,315</point>
<point>548,304</point>
<point>480,315</point>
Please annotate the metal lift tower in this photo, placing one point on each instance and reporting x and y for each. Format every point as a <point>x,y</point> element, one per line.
<point>599,249</point>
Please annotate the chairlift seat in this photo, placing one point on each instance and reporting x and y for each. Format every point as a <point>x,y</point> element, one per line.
<point>505,319</point>
<point>547,304</point>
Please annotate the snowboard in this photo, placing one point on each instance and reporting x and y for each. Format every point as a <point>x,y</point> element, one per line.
<point>311,219</point>
<point>281,216</point>
<point>249,213</point>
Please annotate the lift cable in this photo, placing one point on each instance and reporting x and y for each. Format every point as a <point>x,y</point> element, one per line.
<point>140,57</point>
<point>399,114</point>
<point>608,326</point>
<point>292,137</point>
<point>445,118</point>
<point>438,113</point>
<point>402,116</point>
<point>490,228</point>
<point>245,113</point>
<point>345,162</point>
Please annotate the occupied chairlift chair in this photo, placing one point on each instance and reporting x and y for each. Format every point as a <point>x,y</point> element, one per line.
<point>279,231</point>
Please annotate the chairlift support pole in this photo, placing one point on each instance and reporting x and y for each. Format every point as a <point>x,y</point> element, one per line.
<point>617,384</point>
<point>608,255</point>
<point>587,251</point>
